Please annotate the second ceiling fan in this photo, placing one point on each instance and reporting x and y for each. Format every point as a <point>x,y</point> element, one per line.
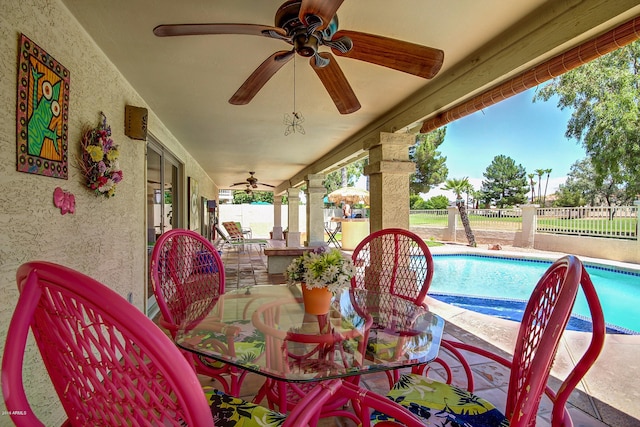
<point>252,182</point>
<point>307,25</point>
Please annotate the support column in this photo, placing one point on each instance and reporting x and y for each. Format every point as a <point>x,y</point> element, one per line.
<point>527,235</point>
<point>293,235</point>
<point>452,223</point>
<point>389,170</point>
<point>315,218</point>
<point>277,218</point>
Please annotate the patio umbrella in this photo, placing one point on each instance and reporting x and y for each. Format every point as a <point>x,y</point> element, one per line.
<point>351,195</point>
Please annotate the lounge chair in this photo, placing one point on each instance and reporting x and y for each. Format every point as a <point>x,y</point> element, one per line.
<point>237,237</point>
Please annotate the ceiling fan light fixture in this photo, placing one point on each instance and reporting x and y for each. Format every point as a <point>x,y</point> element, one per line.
<point>304,44</point>
<point>293,122</point>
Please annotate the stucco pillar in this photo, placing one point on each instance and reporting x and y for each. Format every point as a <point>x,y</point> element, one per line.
<point>277,218</point>
<point>315,218</point>
<point>293,235</point>
<point>389,170</point>
<point>527,236</point>
<point>452,224</point>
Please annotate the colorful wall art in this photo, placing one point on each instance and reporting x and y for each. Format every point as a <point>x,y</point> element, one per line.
<point>42,112</point>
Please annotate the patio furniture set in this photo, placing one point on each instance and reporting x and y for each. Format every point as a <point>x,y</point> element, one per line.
<point>111,365</point>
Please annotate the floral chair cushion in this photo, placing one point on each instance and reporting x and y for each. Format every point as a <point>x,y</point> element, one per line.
<point>442,404</point>
<point>248,348</point>
<point>228,411</point>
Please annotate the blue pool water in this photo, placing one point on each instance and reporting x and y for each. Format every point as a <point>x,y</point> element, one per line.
<point>501,286</point>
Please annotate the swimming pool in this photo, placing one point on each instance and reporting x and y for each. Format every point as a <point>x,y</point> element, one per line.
<point>500,286</point>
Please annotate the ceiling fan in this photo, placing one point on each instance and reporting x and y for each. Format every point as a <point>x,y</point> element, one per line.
<point>252,182</point>
<point>307,25</point>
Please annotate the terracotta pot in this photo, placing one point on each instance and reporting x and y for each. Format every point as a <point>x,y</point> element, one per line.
<point>316,300</point>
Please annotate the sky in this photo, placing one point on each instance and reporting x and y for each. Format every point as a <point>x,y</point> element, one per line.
<point>532,134</point>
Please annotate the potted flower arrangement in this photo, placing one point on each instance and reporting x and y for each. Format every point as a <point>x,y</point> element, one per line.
<point>322,273</point>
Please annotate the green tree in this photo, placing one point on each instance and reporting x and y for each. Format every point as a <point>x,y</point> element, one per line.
<point>540,173</point>
<point>605,97</point>
<point>581,189</point>
<point>505,183</point>
<point>431,169</point>
<point>437,202</point>
<point>346,176</point>
<point>546,186</point>
<point>416,202</point>
<point>459,186</point>
<point>532,185</point>
<point>241,196</point>
<point>476,197</point>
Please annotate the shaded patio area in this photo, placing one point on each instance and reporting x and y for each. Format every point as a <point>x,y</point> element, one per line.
<point>605,397</point>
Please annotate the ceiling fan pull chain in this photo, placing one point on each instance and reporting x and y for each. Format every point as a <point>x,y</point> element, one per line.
<point>294,85</point>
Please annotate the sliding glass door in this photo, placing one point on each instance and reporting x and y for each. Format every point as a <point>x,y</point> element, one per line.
<point>163,202</point>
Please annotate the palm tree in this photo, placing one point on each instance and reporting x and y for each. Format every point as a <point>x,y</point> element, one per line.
<point>458,186</point>
<point>532,184</point>
<point>546,185</point>
<point>540,172</point>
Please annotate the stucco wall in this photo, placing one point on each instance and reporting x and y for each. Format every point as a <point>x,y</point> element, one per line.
<point>613,249</point>
<point>105,238</point>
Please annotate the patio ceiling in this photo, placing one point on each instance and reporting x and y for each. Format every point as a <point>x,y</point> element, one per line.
<point>187,81</point>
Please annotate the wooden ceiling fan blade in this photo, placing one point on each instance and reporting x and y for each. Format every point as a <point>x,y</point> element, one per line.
<point>260,77</point>
<point>336,84</point>
<point>419,60</point>
<point>266,185</point>
<point>204,29</point>
<point>323,9</point>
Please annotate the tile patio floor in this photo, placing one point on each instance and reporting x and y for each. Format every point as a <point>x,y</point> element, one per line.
<point>608,396</point>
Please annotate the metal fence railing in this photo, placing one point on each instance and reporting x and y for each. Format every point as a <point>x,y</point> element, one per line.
<point>615,221</point>
<point>494,219</point>
<point>479,219</point>
<point>432,217</point>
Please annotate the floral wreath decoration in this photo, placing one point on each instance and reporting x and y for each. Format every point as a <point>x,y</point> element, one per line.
<point>99,160</point>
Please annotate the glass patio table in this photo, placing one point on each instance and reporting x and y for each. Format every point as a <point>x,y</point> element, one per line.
<point>264,329</point>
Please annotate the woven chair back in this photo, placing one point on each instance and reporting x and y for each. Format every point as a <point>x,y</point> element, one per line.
<point>185,268</point>
<point>109,363</point>
<point>394,261</point>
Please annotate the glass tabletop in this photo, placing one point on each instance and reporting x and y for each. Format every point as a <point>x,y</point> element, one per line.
<point>264,329</point>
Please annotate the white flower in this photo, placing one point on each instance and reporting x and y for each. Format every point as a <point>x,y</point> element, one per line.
<point>327,269</point>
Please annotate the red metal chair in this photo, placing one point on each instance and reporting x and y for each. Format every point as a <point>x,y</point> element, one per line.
<point>186,268</point>
<point>109,363</point>
<point>364,400</point>
<point>397,262</point>
<point>546,315</point>
<point>310,349</point>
